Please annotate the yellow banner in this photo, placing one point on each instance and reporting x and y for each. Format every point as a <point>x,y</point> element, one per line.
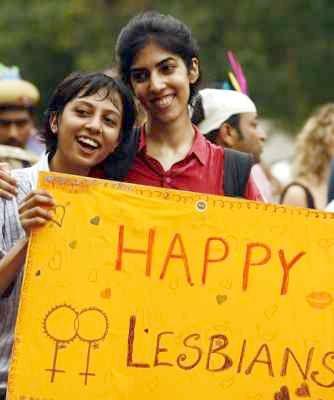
<point>134,292</point>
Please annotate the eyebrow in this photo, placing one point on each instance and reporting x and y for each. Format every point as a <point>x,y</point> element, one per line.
<point>157,65</point>
<point>117,111</point>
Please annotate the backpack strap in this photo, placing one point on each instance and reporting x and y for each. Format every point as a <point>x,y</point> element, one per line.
<point>237,168</point>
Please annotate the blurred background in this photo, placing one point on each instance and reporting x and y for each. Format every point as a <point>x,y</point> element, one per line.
<point>285,47</point>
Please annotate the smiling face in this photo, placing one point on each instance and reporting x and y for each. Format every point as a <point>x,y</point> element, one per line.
<point>88,130</point>
<point>161,81</point>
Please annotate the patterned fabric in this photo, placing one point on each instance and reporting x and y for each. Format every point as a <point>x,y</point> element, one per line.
<point>17,157</point>
<point>11,232</point>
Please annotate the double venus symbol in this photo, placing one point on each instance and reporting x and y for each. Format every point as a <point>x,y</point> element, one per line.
<point>63,324</point>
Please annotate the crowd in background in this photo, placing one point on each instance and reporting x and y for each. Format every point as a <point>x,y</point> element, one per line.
<point>144,122</point>
<point>227,117</point>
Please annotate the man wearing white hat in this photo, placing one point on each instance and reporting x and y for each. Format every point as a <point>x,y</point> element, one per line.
<point>17,100</point>
<point>229,119</point>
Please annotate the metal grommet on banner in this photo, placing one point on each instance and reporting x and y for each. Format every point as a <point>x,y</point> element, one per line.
<point>201,205</point>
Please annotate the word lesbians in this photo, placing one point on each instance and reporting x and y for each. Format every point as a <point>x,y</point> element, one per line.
<point>215,358</point>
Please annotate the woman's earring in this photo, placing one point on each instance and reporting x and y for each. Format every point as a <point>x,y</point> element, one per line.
<point>54,129</point>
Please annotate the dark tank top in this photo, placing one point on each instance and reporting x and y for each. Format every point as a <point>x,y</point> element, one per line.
<point>309,197</point>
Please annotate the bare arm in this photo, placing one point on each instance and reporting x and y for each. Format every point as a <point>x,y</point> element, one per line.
<point>32,215</point>
<point>11,264</point>
<point>295,196</point>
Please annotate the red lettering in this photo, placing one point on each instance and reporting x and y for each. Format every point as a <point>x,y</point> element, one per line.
<point>286,268</point>
<point>221,341</point>
<point>242,355</point>
<point>183,357</point>
<point>182,256</point>
<point>267,361</point>
<point>131,339</point>
<point>330,356</point>
<point>148,251</point>
<point>207,258</point>
<point>249,262</point>
<point>161,350</point>
<point>288,352</point>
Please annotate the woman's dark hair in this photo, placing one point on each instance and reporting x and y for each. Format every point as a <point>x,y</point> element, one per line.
<point>233,121</point>
<point>198,116</point>
<point>168,32</point>
<point>79,85</point>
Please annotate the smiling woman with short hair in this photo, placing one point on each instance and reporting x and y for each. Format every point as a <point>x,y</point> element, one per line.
<point>88,124</point>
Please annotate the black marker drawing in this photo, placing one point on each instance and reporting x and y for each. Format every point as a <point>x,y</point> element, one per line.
<point>58,212</point>
<point>63,324</point>
<point>92,327</point>
<point>61,334</point>
<point>95,220</point>
<point>55,262</point>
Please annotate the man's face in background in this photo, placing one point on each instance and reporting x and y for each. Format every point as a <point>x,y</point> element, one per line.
<point>16,126</point>
<point>251,135</point>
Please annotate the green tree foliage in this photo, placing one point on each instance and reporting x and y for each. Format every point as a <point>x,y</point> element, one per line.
<point>49,39</point>
<point>284,47</point>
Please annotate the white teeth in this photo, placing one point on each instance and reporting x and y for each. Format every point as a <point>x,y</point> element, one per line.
<point>89,141</point>
<point>165,101</point>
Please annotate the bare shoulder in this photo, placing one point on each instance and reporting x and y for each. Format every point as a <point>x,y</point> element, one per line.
<point>295,195</point>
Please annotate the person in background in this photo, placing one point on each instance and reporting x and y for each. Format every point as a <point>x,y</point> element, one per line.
<point>330,195</point>
<point>19,146</point>
<point>311,165</point>
<point>229,119</point>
